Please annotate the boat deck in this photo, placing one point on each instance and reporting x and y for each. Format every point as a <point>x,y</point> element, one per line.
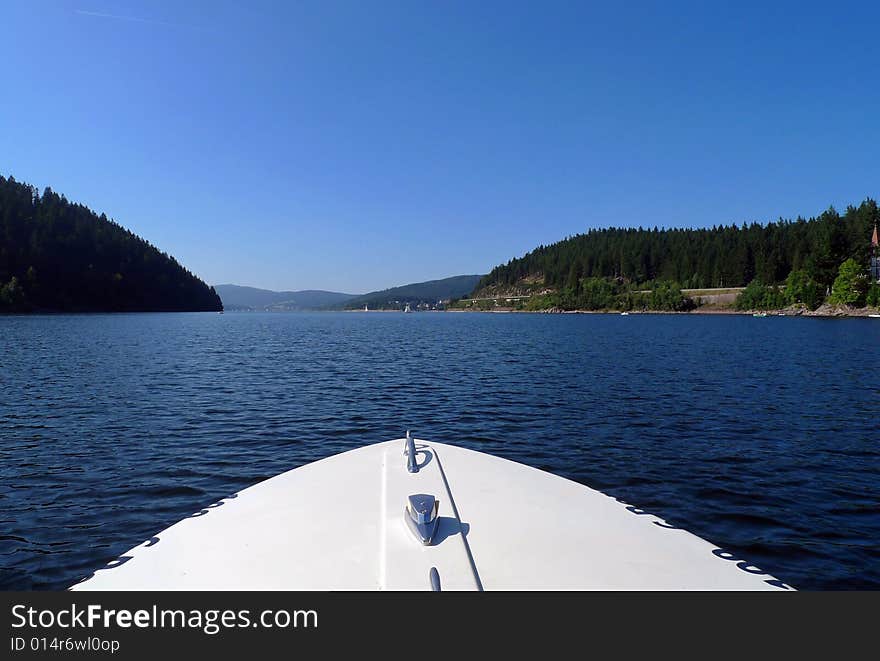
<point>340,524</point>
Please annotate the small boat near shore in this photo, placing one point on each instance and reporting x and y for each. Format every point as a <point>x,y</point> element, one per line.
<point>759,314</point>
<point>411,514</point>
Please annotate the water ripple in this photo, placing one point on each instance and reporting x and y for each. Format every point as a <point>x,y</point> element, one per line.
<point>759,435</point>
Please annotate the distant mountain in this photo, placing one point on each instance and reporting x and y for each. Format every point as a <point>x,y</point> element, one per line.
<point>236,297</point>
<point>59,256</point>
<point>416,294</point>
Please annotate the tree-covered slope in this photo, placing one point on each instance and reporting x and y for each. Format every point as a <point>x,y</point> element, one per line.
<point>725,256</point>
<point>56,255</point>
<point>416,293</point>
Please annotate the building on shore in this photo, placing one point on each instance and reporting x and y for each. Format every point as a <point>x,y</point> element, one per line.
<point>875,256</point>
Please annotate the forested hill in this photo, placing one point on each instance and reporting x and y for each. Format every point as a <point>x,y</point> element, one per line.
<point>417,294</point>
<point>726,256</point>
<point>56,255</point>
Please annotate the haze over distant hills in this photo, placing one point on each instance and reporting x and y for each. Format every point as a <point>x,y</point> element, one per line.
<point>236,297</point>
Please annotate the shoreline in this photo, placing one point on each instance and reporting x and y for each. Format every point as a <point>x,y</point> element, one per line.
<point>822,312</point>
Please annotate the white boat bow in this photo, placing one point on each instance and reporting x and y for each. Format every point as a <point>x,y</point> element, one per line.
<point>348,522</point>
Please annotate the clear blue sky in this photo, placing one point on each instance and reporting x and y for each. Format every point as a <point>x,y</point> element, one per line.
<point>354,146</point>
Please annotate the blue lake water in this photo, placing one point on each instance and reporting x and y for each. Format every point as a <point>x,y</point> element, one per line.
<point>760,435</point>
